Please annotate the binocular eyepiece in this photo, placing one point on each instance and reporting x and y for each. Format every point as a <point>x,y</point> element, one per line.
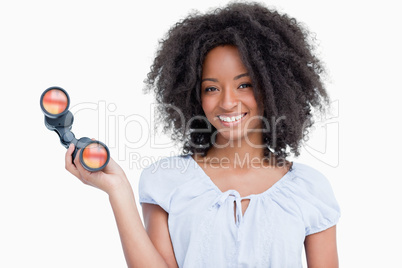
<point>55,102</point>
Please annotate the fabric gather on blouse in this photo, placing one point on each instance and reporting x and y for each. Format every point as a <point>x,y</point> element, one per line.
<point>271,233</point>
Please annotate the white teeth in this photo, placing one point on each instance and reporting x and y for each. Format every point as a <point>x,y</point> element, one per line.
<point>231,119</point>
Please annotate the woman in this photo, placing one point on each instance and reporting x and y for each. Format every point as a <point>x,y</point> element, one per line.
<point>236,87</point>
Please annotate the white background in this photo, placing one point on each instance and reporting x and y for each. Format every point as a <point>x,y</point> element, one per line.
<point>100,52</point>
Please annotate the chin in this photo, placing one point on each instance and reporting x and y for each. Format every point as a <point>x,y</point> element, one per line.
<point>227,136</point>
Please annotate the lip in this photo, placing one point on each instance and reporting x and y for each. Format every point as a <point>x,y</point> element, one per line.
<point>231,124</point>
<point>231,114</point>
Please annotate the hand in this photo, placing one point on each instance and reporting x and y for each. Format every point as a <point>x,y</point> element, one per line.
<point>111,178</point>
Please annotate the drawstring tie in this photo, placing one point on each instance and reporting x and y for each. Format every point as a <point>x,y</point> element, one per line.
<point>237,199</point>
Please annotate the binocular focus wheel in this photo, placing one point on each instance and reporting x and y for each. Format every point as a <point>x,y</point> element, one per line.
<point>94,156</point>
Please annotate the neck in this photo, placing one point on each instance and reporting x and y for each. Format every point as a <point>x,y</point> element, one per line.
<point>243,150</point>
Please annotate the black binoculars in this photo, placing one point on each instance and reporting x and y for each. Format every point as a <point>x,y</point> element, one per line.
<point>55,102</point>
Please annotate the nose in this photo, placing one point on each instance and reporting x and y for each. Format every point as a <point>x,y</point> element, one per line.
<point>228,99</point>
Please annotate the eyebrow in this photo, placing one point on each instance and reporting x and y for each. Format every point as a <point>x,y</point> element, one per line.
<point>240,76</point>
<point>216,80</point>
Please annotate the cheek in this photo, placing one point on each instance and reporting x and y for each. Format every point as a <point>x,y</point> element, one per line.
<point>207,105</point>
<point>250,101</point>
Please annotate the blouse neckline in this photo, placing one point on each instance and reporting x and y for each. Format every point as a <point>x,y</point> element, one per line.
<point>276,185</point>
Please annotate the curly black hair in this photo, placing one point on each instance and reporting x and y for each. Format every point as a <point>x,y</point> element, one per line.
<point>278,54</point>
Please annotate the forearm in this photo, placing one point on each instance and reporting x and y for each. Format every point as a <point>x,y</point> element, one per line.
<point>137,246</point>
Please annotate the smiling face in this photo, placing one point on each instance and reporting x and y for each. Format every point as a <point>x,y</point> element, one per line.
<point>227,96</point>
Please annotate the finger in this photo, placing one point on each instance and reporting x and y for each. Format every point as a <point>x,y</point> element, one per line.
<point>85,174</point>
<point>112,167</point>
<point>69,162</point>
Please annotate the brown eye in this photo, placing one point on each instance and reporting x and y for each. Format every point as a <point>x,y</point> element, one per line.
<point>245,85</point>
<point>210,89</point>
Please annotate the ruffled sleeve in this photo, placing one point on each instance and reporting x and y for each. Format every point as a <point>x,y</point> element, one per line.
<point>159,181</point>
<point>318,203</point>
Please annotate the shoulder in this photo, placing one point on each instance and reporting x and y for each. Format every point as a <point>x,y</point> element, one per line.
<point>315,197</point>
<point>159,180</point>
<point>168,167</point>
<point>306,171</point>
<point>311,179</point>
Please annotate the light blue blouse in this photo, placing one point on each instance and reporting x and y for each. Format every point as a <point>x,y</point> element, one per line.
<point>271,232</point>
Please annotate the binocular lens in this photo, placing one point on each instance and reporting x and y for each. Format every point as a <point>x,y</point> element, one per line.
<point>55,101</point>
<point>95,156</point>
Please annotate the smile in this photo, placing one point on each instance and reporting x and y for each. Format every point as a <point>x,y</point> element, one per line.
<point>231,119</point>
